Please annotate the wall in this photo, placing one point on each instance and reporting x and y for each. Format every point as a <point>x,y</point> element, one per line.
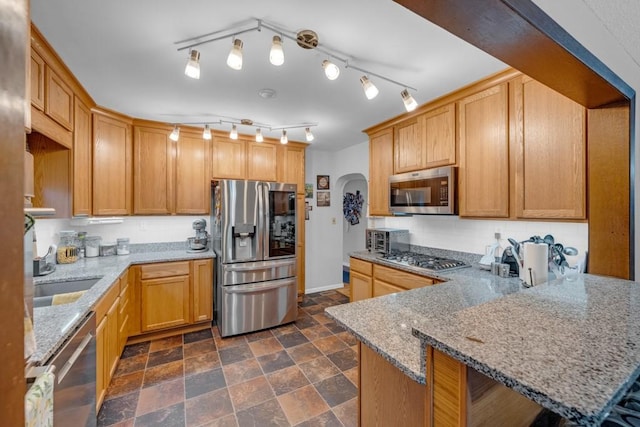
<point>353,236</point>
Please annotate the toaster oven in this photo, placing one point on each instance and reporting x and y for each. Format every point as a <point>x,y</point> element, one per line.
<point>385,240</point>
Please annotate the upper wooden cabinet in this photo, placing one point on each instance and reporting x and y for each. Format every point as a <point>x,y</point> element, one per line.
<point>551,153</point>
<point>37,80</point>
<point>440,136</point>
<point>291,165</point>
<point>153,179</point>
<point>193,174</point>
<point>112,169</point>
<point>58,99</point>
<point>262,161</point>
<point>380,168</point>
<point>229,158</point>
<point>409,146</point>
<point>82,168</point>
<point>483,129</point>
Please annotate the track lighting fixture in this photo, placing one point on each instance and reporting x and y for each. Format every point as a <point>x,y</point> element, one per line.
<point>175,133</point>
<point>283,138</point>
<point>234,60</point>
<point>370,90</point>
<point>409,103</point>
<point>331,70</point>
<point>276,56</point>
<point>234,132</point>
<point>193,65</point>
<point>308,135</point>
<point>259,137</point>
<point>206,134</point>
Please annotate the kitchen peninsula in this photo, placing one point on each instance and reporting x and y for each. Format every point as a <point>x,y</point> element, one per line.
<point>482,349</point>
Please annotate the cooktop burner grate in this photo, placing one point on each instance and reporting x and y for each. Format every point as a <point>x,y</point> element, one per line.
<point>429,262</point>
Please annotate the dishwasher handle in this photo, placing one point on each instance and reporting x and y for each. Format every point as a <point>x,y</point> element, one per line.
<point>72,360</point>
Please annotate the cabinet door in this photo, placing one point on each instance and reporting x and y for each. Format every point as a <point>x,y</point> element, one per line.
<point>440,136</point>
<point>261,161</point>
<point>101,365</point>
<point>81,159</point>
<point>361,286</point>
<point>483,130</point>
<point>380,168</point>
<point>58,99</point>
<point>193,174</point>
<point>111,166</point>
<point>229,158</point>
<point>383,288</point>
<point>550,164</point>
<point>165,302</point>
<point>37,81</point>
<point>113,343</point>
<point>123,313</point>
<point>409,146</point>
<point>202,290</point>
<point>291,166</point>
<point>300,249</point>
<point>153,154</point>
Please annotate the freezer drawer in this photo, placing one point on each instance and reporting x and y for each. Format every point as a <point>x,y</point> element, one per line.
<point>255,306</point>
<point>259,271</point>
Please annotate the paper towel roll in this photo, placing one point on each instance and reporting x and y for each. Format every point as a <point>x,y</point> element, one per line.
<point>536,263</point>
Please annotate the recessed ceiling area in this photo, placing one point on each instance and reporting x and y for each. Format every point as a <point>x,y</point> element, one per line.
<point>123,53</point>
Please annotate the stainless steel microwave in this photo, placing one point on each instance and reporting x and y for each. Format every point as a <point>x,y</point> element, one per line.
<point>430,191</point>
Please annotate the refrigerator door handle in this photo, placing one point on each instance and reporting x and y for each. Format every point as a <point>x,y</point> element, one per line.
<point>264,236</point>
<point>266,267</point>
<point>253,288</point>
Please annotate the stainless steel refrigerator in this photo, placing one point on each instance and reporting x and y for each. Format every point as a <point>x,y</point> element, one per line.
<point>253,228</point>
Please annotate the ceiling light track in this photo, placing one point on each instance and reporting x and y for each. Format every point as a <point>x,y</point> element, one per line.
<point>233,133</point>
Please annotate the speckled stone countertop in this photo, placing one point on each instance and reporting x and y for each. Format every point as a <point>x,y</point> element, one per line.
<point>572,347</point>
<point>54,324</point>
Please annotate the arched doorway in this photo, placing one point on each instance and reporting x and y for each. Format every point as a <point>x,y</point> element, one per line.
<point>353,234</point>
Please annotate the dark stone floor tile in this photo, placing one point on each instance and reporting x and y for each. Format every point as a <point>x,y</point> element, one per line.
<point>160,396</point>
<point>198,336</point>
<point>201,363</point>
<point>336,390</point>
<point>314,309</point>
<point>125,384</point>
<point>327,419</point>
<point>165,343</point>
<point>260,335</point>
<point>303,353</point>
<point>275,361</point>
<point>319,369</point>
<point>204,382</point>
<point>303,322</point>
<point>118,409</point>
<point>286,380</point>
<point>230,341</point>
<point>344,359</point>
<point>209,407</point>
<point>307,302</point>
<point>266,414</point>
<point>199,347</point>
<point>135,349</point>
<point>284,329</point>
<point>322,299</point>
<point>334,327</point>
<point>172,416</point>
<point>131,364</point>
<point>293,339</point>
<point>347,338</point>
<point>241,371</point>
<point>164,356</point>
<point>167,372</point>
<point>347,413</point>
<point>250,393</point>
<point>235,354</point>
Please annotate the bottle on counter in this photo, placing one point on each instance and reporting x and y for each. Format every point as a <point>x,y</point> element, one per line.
<point>122,246</point>
<point>92,246</point>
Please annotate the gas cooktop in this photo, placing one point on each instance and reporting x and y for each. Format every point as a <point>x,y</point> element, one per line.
<point>428,262</point>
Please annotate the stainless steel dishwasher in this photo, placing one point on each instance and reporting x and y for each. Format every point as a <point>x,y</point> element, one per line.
<point>74,392</point>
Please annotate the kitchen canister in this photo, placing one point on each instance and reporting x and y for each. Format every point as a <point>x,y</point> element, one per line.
<point>122,246</point>
<point>92,246</point>
<point>536,263</point>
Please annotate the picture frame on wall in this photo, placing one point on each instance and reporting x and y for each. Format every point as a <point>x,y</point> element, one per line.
<point>323,198</point>
<point>323,182</point>
<point>308,191</point>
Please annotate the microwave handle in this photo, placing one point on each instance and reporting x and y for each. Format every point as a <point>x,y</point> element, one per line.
<point>408,197</point>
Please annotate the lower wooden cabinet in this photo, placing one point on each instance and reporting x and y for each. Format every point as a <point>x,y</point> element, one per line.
<point>165,302</point>
<point>101,378</point>
<point>202,290</point>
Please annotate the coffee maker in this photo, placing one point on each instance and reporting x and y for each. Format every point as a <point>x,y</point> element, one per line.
<point>199,243</point>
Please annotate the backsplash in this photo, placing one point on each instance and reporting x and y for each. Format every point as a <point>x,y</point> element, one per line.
<point>139,229</point>
<point>470,235</point>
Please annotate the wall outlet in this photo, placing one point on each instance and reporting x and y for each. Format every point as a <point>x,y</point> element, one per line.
<point>333,221</point>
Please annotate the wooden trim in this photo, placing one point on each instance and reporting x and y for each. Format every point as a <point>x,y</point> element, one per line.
<point>449,388</point>
<point>45,125</point>
<point>168,333</point>
<point>105,112</point>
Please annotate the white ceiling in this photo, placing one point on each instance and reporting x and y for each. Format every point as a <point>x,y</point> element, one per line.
<point>124,54</point>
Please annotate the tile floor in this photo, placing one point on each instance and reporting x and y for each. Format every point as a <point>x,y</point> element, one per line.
<point>300,374</point>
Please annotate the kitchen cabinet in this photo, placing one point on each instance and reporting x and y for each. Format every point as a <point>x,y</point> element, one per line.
<point>107,353</point>
<point>58,99</point>
<point>380,169</point>
<point>261,161</point>
<point>383,288</point>
<point>193,174</point>
<point>202,290</point>
<point>112,168</point>
<point>113,342</point>
<point>409,146</point>
<point>124,308</point>
<point>153,183</point>
<point>164,295</point>
<point>291,165</point>
<point>101,351</point>
<point>37,80</point>
<point>81,186</point>
<point>551,153</point>
<point>229,158</point>
<point>360,280</point>
<point>483,132</point>
<point>440,136</point>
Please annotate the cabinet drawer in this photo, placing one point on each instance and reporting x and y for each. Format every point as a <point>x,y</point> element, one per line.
<point>105,303</point>
<point>360,266</point>
<point>383,288</point>
<point>166,269</point>
<point>401,278</point>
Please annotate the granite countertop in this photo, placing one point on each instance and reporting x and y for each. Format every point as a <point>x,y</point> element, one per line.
<point>572,347</point>
<point>54,324</point>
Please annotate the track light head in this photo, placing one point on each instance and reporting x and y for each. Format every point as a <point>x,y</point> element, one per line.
<point>276,55</point>
<point>175,133</point>
<point>331,70</point>
<point>370,90</point>
<point>234,132</point>
<point>234,60</point>
<point>283,138</point>
<point>193,65</point>
<point>206,134</point>
<point>409,103</point>
<point>259,137</point>
<point>308,135</point>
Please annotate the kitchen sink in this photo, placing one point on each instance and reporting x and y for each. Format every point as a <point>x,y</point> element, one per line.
<point>43,293</point>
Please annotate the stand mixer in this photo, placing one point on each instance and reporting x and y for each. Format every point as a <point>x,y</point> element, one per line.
<point>199,243</point>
